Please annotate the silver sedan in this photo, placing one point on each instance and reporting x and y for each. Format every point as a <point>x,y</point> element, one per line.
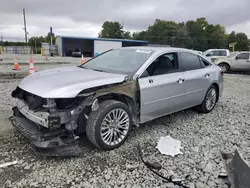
<point>110,93</point>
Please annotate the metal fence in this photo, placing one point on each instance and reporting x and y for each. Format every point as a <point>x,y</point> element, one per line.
<point>16,49</point>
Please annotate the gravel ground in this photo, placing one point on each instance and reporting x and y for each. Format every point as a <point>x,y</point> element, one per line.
<point>226,128</point>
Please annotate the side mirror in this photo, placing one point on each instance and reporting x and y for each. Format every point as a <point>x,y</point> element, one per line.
<point>208,55</point>
<point>236,58</point>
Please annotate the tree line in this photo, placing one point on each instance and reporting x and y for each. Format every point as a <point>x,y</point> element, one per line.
<point>194,34</point>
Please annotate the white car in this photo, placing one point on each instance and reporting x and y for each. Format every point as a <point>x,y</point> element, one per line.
<point>212,54</point>
<point>236,61</point>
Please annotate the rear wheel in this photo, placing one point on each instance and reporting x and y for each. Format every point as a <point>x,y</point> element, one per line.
<point>109,126</point>
<point>224,67</point>
<point>210,100</point>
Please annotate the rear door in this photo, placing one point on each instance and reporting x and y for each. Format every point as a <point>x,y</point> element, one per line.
<point>197,78</point>
<point>161,88</point>
<point>241,62</point>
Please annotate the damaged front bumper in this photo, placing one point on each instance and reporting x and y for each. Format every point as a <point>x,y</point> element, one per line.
<point>52,132</point>
<point>45,142</point>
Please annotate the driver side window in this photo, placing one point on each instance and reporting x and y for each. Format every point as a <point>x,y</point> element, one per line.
<point>164,64</point>
<point>243,56</point>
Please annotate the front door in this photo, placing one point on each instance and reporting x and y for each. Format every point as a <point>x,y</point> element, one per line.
<point>241,62</point>
<point>161,88</point>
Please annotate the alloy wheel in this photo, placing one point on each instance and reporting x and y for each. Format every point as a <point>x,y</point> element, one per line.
<point>115,127</point>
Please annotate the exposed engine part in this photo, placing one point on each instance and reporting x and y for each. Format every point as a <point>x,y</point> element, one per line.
<point>72,125</point>
<point>50,104</point>
<point>63,104</point>
<point>34,102</point>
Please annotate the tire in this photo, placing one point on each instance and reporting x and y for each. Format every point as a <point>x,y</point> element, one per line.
<point>204,108</point>
<point>96,130</point>
<point>224,66</point>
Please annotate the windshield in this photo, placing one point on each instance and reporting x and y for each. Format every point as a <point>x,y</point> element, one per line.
<point>233,54</point>
<point>122,61</point>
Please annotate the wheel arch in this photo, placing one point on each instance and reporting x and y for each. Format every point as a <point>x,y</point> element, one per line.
<point>224,62</point>
<point>124,99</point>
<point>216,85</point>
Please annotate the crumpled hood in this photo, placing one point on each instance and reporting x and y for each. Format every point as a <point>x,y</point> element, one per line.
<point>67,82</point>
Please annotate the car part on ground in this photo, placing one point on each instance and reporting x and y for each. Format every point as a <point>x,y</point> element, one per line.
<point>151,167</point>
<point>136,84</point>
<point>237,169</point>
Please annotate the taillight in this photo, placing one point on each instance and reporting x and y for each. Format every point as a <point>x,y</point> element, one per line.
<point>222,73</point>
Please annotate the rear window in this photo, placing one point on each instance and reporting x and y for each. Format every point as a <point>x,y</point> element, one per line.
<point>222,53</point>
<point>217,53</point>
<point>190,61</point>
<point>204,63</point>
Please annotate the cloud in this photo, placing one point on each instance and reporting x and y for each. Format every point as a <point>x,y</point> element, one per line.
<point>84,18</point>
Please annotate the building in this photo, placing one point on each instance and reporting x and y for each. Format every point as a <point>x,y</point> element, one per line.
<point>48,49</point>
<point>92,46</point>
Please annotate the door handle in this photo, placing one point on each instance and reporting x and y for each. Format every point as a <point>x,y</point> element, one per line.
<point>180,80</point>
<point>150,80</point>
<point>248,61</point>
<point>207,75</point>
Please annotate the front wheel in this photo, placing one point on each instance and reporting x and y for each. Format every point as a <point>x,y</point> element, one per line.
<point>210,100</point>
<point>109,126</point>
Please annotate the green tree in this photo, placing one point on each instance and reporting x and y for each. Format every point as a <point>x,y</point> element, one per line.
<point>217,37</point>
<point>242,42</point>
<point>143,35</point>
<point>127,35</point>
<point>47,38</point>
<point>111,30</point>
<point>240,38</point>
<point>197,32</point>
<point>232,37</point>
<point>35,43</point>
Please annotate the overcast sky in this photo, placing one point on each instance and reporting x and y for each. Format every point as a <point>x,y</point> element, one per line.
<point>85,17</point>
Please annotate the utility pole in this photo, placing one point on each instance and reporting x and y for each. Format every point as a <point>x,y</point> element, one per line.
<point>1,51</point>
<point>25,29</point>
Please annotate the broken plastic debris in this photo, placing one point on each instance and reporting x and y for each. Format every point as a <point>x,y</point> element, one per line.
<point>169,146</point>
<point>8,164</point>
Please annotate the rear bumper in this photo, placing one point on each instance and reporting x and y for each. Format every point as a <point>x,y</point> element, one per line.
<point>58,142</point>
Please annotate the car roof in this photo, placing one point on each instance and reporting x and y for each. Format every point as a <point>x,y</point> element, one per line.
<point>215,49</point>
<point>161,49</point>
<point>242,51</point>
